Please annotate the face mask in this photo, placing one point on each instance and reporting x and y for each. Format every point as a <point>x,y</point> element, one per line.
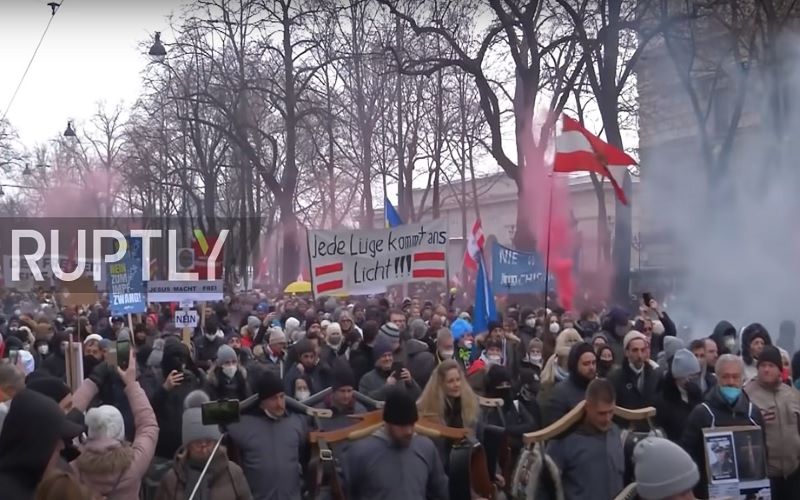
<point>494,360</point>
<point>730,344</point>
<point>730,394</point>
<point>43,349</point>
<point>229,370</point>
<point>555,328</point>
<point>590,327</point>
<point>446,354</point>
<point>536,359</point>
<point>468,344</point>
<point>301,395</point>
<point>530,322</point>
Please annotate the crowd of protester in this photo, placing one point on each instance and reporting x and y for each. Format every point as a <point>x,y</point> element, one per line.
<point>138,433</point>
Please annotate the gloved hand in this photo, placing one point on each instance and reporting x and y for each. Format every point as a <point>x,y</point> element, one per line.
<point>102,373</point>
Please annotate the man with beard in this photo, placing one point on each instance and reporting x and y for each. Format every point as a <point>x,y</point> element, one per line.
<point>394,463</point>
<point>582,366</point>
<point>310,367</point>
<point>635,382</point>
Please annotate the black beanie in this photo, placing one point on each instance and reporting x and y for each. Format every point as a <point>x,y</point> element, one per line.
<point>497,375</point>
<point>399,408</point>
<point>52,387</point>
<point>342,376</point>
<point>269,385</point>
<point>575,354</point>
<point>302,347</point>
<point>771,354</point>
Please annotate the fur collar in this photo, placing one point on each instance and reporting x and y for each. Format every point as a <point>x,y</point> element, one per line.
<point>527,476</point>
<point>96,459</point>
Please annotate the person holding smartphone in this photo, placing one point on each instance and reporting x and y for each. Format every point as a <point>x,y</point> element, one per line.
<point>387,373</point>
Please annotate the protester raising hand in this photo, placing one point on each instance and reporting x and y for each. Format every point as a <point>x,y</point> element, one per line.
<point>129,375</point>
<point>173,380</point>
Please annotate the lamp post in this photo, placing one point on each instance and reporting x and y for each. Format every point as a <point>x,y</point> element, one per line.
<point>157,50</point>
<point>69,131</point>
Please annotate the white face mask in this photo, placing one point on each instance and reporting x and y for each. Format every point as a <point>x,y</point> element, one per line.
<point>536,359</point>
<point>554,328</point>
<point>211,336</point>
<point>494,360</point>
<point>43,349</point>
<point>468,344</point>
<point>446,354</point>
<point>530,322</point>
<point>229,370</point>
<point>301,395</point>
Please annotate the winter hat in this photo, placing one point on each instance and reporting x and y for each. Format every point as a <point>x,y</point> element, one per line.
<point>671,346</point>
<point>460,328</point>
<point>575,354</point>
<point>303,347</point>
<point>276,335</point>
<point>105,422</point>
<point>565,340</point>
<point>684,364</point>
<point>292,324</point>
<point>382,346</point>
<point>771,354</point>
<point>192,428</point>
<point>324,324</point>
<point>464,315</point>
<point>52,387</point>
<point>253,323</point>
<point>497,375</point>
<point>599,335</point>
<point>418,329</point>
<point>157,354</point>
<point>225,354</point>
<point>28,364</point>
<point>390,330</point>
<point>343,376</point>
<point>93,337</point>
<point>333,329</point>
<point>631,336</point>
<point>658,327</point>
<point>663,469</point>
<point>535,343</point>
<point>399,408</point>
<point>269,385</point>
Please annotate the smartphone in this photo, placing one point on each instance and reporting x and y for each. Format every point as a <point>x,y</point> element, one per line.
<point>222,412</point>
<point>646,297</point>
<point>397,367</point>
<point>123,354</point>
<point>13,356</point>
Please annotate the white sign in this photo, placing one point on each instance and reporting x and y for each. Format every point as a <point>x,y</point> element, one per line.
<point>177,291</point>
<point>187,304</point>
<point>359,262</point>
<point>187,319</point>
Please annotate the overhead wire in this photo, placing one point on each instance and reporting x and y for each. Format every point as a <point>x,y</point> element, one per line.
<point>55,8</point>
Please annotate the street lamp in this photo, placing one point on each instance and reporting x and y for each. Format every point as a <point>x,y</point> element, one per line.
<point>69,132</point>
<point>157,51</point>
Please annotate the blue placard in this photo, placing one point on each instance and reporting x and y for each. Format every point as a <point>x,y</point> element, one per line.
<point>518,272</point>
<point>126,290</point>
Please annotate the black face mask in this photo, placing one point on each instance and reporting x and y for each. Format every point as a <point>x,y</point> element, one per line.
<point>603,367</point>
<point>70,452</point>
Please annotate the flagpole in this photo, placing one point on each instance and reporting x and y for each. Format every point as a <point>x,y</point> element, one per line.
<point>547,255</point>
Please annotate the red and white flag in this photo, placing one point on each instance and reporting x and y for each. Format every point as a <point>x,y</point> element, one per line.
<point>578,150</point>
<point>475,242</point>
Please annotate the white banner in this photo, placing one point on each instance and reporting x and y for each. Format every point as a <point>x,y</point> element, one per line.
<point>360,262</point>
<point>177,291</point>
<point>187,319</point>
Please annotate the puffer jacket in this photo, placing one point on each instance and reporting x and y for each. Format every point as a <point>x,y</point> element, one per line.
<point>780,409</point>
<point>115,469</point>
<point>225,480</point>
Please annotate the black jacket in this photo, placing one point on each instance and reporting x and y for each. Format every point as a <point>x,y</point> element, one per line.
<point>672,412</point>
<point>207,351</point>
<point>715,412</point>
<point>569,392</point>
<point>722,330</point>
<point>625,385</point>
<point>361,361</point>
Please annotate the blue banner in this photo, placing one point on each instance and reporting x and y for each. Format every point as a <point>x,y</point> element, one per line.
<point>518,272</point>
<point>126,290</point>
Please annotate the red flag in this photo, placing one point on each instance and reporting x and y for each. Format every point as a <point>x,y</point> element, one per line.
<point>578,150</point>
<point>475,242</point>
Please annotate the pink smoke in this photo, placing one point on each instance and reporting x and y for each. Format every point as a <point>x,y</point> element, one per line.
<point>67,198</point>
<point>546,195</point>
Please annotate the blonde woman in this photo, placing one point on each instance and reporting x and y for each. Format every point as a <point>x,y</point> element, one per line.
<point>449,398</point>
<point>555,369</point>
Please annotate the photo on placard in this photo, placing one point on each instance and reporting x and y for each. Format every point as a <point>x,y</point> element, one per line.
<point>720,457</point>
<point>749,449</point>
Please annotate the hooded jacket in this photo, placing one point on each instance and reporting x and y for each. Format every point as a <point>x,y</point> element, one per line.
<point>106,465</point>
<point>750,333</point>
<point>722,330</point>
<point>617,316</point>
<point>219,386</point>
<point>418,359</point>
<point>225,480</point>
<point>55,364</point>
<point>570,391</point>
<point>672,412</point>
<point>376,469</point>
<point>780,409</point>
<point>272,451</point>
<point>27,441</point>
<point>715,412</point>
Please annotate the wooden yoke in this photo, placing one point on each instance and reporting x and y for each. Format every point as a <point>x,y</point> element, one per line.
<point>575,415</point>
<point>371,420</point>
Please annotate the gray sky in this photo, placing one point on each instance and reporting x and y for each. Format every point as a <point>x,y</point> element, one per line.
<point>90,54</point>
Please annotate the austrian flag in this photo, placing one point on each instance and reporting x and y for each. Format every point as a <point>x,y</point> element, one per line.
<point>475,242</point>
<point>578,150</point>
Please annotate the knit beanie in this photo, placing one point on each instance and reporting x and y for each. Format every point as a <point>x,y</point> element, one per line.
<point>225,354</point>
<point>575,354</point>
<point>333,329</point>
<point>684,364</point>
<point>663,469</point>
<point>535,343</point>
<point>52,387</point>
<point>276,335</point>
<point>599,335</point>
<point>92,337</point>
<point>390,330</point>
<point>565,340</point>
<point>399,408</point>
<point>269,385</point>
<point>292,325</point>
<point>382,346</point>
<point>192,428</point>
<point>418,329</point>
<point>342,376</point>
<point>303,347</point>
<point>771,354</point>
<point>672,345</point>
<point>253,323</point>
<point>631,336</point>
<point>460,328</point>
<point>105,422</point>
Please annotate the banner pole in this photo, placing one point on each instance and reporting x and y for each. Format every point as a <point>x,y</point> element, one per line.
<point>547,255</point>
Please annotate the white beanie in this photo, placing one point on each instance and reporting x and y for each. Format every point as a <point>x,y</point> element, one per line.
<point>334,329</point>
<point>93,337</point>
<point>105,422</point>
